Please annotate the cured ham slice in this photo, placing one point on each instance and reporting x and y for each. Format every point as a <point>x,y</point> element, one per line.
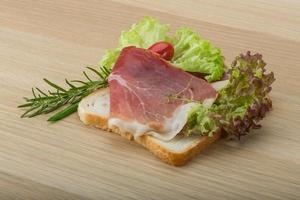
<point>150,96</point>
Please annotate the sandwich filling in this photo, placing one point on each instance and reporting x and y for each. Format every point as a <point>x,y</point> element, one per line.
<point>150,96</point>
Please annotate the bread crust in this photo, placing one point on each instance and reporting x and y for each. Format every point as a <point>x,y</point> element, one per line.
<point>166,155</point>
<point>176,158</point>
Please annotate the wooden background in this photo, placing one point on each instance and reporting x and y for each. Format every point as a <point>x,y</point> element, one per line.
<point>66,160</point>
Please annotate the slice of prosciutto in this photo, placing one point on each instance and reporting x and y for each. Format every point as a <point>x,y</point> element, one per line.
<point>150,96</point>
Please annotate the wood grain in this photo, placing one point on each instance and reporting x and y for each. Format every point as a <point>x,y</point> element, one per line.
<point>66,160</point>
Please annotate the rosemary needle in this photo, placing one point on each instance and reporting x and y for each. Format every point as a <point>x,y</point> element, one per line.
<point>64,113</point>
<point>66,100</point>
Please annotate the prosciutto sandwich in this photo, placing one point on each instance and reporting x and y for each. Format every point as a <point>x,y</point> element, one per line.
<point>139,106</point>
<point>172,94</point>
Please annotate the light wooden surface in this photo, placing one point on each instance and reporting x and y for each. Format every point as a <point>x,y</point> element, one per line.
<point>66,160</point>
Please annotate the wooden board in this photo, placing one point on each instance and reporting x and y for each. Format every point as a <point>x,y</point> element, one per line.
<point>67,160</point>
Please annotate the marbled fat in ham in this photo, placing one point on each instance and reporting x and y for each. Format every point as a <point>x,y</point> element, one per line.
<point>145,88</point>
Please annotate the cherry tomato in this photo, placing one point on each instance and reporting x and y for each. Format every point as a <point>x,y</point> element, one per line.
<point>164,49</point>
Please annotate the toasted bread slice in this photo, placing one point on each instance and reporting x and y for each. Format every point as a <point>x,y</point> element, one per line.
<point>94,110</point>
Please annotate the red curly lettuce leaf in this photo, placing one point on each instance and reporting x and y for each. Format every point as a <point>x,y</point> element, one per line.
<point>241,104</point>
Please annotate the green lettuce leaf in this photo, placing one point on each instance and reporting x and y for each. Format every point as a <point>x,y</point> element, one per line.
<point>242,103</point>
<point>192,53</point>
<point>110,57</point>
<point>200,122</point>
<point>143,34</point>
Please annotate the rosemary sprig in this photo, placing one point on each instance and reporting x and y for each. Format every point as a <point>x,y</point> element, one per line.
<point>45,102</point>
<point>173,97</point>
